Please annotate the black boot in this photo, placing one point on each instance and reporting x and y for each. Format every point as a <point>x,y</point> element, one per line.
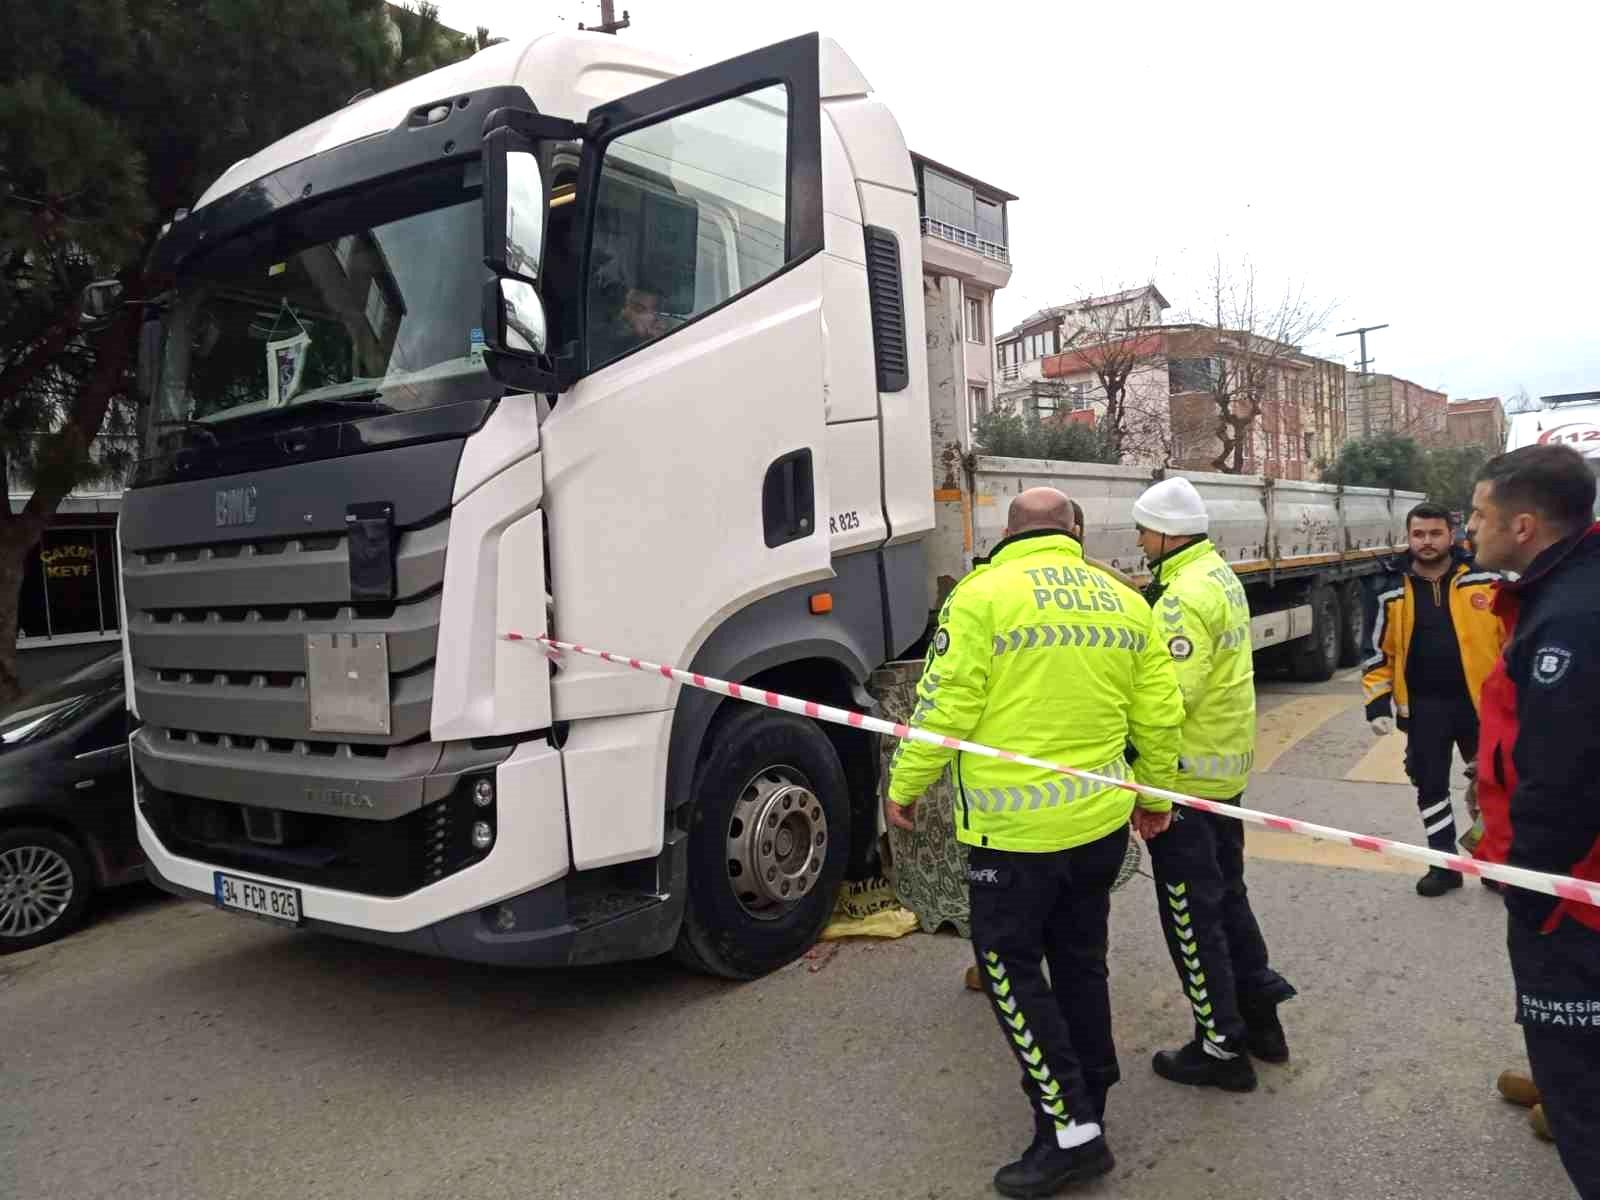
<point>1045,1168</point>
<point>1438,881</point>
<point>1193,1066</point>
<point>1264,1036</point>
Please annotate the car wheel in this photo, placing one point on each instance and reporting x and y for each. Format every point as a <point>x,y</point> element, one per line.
<point>45,885</point>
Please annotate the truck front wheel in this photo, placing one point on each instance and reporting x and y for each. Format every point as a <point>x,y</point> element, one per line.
<point>769,837</point>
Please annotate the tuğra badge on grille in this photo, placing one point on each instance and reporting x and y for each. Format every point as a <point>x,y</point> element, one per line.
<point>236,506</point>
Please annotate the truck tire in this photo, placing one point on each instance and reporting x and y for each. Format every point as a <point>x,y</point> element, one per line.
<point>769,837</point>
<point>45,886</point>
<point>1315,658</point>
<point>1352,625</point>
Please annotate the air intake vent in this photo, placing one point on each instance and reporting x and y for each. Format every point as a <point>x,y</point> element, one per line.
<point>888,308</point>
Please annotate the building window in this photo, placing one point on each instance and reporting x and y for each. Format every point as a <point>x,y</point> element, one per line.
<point>69,585</point>
<point>975,319</point>
<point>991,222</point>
<point>1049,346</point>
<point>978,398</point>
<point>1192,375</point>
<point>1078,392</point>
<point>948,201</point>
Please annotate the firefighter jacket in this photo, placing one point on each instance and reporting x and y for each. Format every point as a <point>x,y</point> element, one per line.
<point>1203,620</point>
<point>1539,747</point>
<point>1478,635</point>
<point>1038,653</point>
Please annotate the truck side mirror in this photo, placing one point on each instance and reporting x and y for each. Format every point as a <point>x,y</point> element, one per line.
<point>515,201</point>
<point>99,301</point>
<point>519,323</point>
<point>515,204</point>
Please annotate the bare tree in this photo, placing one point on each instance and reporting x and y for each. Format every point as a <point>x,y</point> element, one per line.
<point>1520,402</point>
<point>1245,342</point>
<point>1116,341</point>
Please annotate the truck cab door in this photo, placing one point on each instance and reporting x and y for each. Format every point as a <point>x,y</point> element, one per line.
<point>685,468</point>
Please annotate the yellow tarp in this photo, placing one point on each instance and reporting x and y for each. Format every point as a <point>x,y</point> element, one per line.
<point>869,909</point>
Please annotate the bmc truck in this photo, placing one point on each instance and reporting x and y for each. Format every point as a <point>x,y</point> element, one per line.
<point>564,338</point>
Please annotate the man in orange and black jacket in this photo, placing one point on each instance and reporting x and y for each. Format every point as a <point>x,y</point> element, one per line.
<point>1539,771</point>
<point>1434,642</point>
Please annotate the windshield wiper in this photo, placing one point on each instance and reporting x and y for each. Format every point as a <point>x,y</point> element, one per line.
<point>366,401</point>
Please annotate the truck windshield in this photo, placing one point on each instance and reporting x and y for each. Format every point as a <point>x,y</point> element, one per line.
<point>368,302</point>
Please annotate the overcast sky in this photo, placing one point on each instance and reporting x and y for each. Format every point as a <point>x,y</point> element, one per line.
<point>1430,166</point>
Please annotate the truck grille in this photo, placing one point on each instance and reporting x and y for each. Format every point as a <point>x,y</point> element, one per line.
<point>379,858</point>
<point>218,634</point>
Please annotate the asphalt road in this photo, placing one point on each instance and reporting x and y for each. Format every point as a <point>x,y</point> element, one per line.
<point>169,1050</point>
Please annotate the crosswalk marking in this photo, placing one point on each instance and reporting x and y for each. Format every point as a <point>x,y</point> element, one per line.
<point>1385,762</point>
<point>1292,848</point>
<point>1279,728</point>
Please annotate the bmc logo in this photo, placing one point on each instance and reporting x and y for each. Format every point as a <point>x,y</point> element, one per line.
<point>236,506</point>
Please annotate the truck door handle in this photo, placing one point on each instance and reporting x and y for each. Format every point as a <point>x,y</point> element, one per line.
<point>788,499</point>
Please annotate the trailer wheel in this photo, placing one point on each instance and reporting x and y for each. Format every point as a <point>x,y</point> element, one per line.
<point>1315,658</point>
<point>1352,622</point>
<point>769,837</point>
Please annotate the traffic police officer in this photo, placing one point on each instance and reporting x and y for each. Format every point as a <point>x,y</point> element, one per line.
<point>1041,654</point>
<point>1203,622</point>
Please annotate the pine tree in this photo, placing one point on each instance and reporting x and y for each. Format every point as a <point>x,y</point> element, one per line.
<point>113,114</point>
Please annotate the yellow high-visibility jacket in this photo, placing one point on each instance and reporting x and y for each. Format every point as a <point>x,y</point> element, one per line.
<point>1479,635</point>
<point>1203,621</point>
<point>1040,653</point>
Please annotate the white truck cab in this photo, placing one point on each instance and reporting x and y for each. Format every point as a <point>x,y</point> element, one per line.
<point>561,337</point>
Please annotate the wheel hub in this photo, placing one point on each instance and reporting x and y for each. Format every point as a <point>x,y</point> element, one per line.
<point>777,842</point>
<point>35,889</point>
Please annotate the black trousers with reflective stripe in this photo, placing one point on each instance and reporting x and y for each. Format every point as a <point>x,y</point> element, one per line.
<point>1557,978</point>
<point>1435,726</point>
<point>1030,908</point>
<point>1211,930</point>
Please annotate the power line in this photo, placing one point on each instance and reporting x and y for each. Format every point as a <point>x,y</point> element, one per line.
<point>1366,375</point>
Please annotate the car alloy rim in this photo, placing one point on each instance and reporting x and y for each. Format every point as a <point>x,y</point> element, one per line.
<point>35,890</point>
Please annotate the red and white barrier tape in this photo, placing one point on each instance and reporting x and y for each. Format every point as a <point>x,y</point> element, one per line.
<point>1564,886</point>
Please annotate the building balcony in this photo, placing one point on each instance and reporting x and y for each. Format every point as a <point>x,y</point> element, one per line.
<point>966,238</point>
<point>953,251</point>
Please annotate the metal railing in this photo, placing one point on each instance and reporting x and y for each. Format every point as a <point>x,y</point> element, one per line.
<point>965,238</point>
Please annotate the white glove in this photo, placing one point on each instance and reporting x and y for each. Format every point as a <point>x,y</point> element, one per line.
<point>1382,726</point>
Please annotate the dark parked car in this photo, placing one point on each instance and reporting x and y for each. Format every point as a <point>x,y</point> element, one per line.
<point>66,804</point>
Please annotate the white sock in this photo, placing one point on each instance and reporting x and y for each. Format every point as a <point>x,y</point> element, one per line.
<point>1076,1135</point>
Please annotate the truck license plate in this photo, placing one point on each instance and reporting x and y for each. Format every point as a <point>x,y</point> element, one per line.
<point>347,682</point>
<point>265,900</point>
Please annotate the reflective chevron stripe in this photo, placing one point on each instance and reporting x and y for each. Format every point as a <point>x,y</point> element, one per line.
<point>1042,637</point>
<point>1233,638</point>
<point>1224,766</point>
<point>1051,1102</point>
<point>1046,794</point>
<point>1199,995</point>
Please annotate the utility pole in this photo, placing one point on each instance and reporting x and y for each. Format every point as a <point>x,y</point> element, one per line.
<point>1365,383</point>
<point>608,19</point>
